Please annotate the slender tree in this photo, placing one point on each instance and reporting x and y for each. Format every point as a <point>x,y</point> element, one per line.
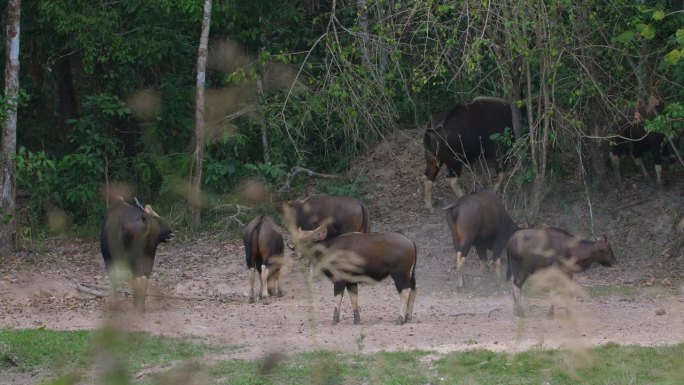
<point>8,166</point>
<point>198,156</point>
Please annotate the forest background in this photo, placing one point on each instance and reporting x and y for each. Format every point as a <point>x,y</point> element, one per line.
<point>108,93</point>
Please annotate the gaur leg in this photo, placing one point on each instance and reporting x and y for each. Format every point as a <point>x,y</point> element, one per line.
<point>615,161</point>
<point>659,174</point>
<point>482,256</point>
<point>142,269</point>
<point>517,301</point>
<point>460,262</point>
<point>411,301</point>
<point>404,296</point>
<point>496,255</point>
<point>455,169</point>
<point>252,277</point>
<point>140,285</point>
<point>278,288</point>
<point>500,176</point>
<point>338,289</point>
<point>264,281</point>
<point>431,171</point>
<point>353,290</point>
<point>427,187</point>
<point>640,162</point>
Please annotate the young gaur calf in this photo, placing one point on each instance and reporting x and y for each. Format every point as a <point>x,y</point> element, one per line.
<point>356,257</point>
<point>130,236</point>
<point>530,250</point>
<point>264,252</point>
<point>479,219</point>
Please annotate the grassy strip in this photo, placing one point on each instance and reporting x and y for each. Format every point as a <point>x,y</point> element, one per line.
<point>72,352</point>
<point>52,351</point>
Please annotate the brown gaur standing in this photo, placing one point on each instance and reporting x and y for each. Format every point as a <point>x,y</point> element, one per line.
<point>530,250</point>
<point>264,253</point>
<point>353,257</point>
<point>129,238</point>
<point>479,219</point>
<point>341,214</point>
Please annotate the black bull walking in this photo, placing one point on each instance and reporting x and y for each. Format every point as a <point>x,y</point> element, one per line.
<point>461,136</point>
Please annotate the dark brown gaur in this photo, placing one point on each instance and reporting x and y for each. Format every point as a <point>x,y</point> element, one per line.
<point>264,248</point>
<point>130,236</point>
<point>355,257</point>
<point>461,136</point>
<point>633,136</point>
<point>530,250</point>
<point>342,214</point>
<point>479,219</point>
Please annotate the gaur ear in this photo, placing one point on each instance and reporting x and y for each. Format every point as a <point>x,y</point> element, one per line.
<point>291,245</point>
<point>322,233</point>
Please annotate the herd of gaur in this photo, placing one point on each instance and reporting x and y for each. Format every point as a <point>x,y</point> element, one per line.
<point>335,231</point>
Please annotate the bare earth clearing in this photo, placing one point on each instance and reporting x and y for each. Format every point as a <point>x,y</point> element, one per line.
<point>641,224</point>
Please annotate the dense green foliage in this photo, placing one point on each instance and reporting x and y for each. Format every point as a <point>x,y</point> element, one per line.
<point>109,86</point>
<point>71,353</point>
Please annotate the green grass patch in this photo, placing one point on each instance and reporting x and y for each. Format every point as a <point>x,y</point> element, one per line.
<point>51,352</point>
<point>324,367</point>
<point>610,364</point>
<point>59,352</point>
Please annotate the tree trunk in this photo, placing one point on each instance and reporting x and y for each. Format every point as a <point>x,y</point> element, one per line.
<point>596,156</point>
<point>198,156</point>
<point>67,96</point>
<point>260,91</point>
<point>9,132</point>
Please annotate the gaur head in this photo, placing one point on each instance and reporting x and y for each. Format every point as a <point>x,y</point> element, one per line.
<point>165,232</point>
<point>606,256</point>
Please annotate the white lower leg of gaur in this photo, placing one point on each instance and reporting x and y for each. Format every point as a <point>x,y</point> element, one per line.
<point>278,289</point>
<point>615,161</point>
<point>140,285</point>
<point>264,281</point>
<point>252,278</point>
<point>337,302</point>
<point>640,162</point>
<point>497,270</point>
<point>454,186</point>
<point>354,298</point>
<point>659,173</point>
<point>409,308</point>
<point>460,261</point>
<point>499,180</point>
<point>517,300</point>
<point>404,296</point>
<point>427,187</point>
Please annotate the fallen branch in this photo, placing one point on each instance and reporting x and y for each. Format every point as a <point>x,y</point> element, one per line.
<point>296,170</point>
<point>637,203</point>
<point>489,313</point>
<point>87,290</point>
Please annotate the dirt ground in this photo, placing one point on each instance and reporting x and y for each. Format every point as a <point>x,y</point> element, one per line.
<point>640,222</point>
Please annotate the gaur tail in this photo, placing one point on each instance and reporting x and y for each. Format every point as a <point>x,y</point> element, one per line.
<point>415,262</point>
<point>366,219</point>
<point>251,242</point>
<point>509,271</point>
<point>104,248</point>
